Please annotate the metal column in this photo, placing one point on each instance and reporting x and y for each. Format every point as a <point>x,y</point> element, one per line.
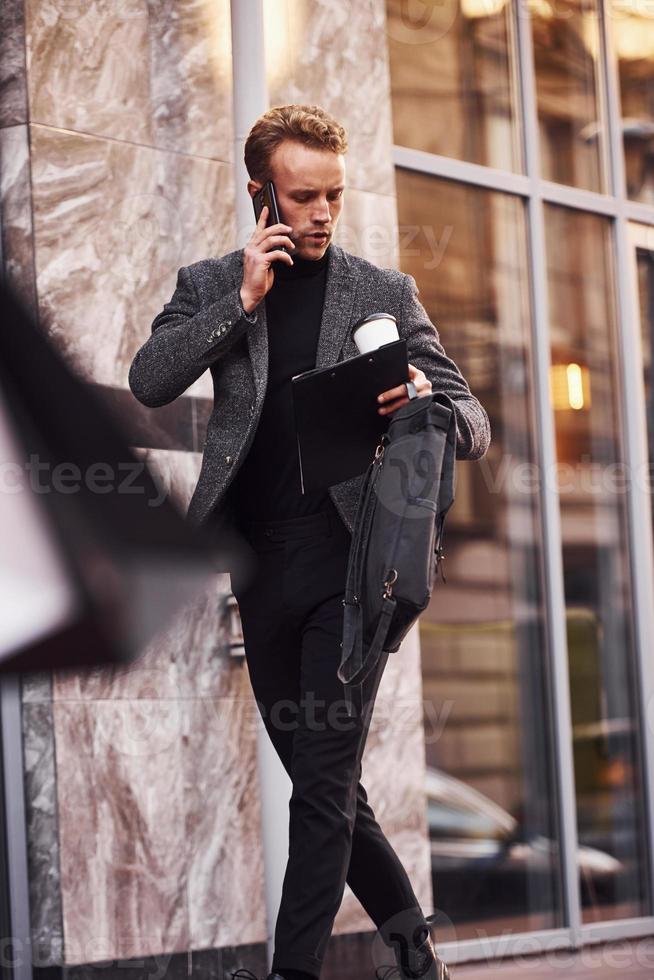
<point>250,101</point>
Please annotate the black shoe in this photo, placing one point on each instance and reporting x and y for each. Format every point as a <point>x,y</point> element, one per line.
<point>248,975</point>
<point>438,970</point>
<point>243,974</point>
<point>425,964</point>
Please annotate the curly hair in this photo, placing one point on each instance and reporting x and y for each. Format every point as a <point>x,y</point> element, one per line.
<point>308,124</point>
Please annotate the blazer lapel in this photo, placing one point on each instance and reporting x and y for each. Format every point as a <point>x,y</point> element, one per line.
<point>340,290</point>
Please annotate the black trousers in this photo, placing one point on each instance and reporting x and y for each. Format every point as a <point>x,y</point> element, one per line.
<point>291,611</point>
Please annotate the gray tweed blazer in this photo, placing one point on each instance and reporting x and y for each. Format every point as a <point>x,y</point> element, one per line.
<point>205,326</point>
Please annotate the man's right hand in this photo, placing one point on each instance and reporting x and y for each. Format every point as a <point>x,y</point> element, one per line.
<point>258,256</point>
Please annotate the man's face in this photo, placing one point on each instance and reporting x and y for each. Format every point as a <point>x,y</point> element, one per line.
<point>309,184</point>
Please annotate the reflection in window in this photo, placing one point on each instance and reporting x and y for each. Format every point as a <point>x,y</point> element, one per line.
<point>632,28</point>
<point>453,80</point>
<point>566,55</point>
<point>605,721</point>
<point>487,715</point>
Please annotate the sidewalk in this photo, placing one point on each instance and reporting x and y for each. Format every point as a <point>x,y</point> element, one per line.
<point>629,959</point>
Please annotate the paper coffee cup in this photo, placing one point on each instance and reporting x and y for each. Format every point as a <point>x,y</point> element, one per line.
<point>374,330</point>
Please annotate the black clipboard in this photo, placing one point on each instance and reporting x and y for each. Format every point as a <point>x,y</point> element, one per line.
<point>337,424</point>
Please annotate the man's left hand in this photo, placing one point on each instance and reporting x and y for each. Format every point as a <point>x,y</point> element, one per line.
<point>396,397</point>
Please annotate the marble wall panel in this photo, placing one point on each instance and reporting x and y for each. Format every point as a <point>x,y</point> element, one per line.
<point>16,214</point>
<point>333,53</point>
<point>42,831</point>
<point>88,66</point>
<point>36,686</point>
<point>13,87</point>
<point>113,223</point>
<point>123,849</point>
<point>155,72</point>
<point>191,76</point>
<point>186,710</point>
<point>223,814</point>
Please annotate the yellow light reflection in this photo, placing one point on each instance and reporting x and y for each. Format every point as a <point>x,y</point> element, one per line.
<point>575,387</point>
<point>635,8</point>
<point>630,22</point>
<point>541,9</point>
<point>569,386</point>
<point>633,38</point>
<point>481,8</point>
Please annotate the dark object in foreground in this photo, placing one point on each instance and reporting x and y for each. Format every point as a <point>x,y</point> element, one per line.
<point>95,558</point>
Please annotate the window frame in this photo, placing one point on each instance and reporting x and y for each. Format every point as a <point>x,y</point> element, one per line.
<point>631,222</point>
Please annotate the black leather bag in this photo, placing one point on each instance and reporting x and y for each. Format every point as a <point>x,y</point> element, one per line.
<point>396,547</point>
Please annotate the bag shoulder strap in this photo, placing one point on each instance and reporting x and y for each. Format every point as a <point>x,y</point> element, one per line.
<point>447,483</point>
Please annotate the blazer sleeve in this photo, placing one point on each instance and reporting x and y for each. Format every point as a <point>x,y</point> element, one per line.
<point>426,352</point>
<point>184,341</point>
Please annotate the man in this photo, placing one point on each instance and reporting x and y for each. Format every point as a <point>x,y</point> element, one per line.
<point>255,325</point>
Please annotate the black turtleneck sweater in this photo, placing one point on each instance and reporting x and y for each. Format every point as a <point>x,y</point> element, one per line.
<point>267,485</point>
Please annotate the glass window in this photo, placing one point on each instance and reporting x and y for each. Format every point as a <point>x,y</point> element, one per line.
<point>486,691</point>
<point>454,87</point>
<point>566,44</point>
<point>591,481</point>
<point>632,28</point>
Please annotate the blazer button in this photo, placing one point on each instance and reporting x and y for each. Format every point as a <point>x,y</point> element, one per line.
<point>219,330</point>
<point>229,460</point>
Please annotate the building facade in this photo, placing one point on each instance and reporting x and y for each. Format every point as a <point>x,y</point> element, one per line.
<point>503,154</point>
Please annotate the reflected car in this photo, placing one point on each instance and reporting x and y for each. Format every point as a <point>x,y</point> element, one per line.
<point>481,859</point>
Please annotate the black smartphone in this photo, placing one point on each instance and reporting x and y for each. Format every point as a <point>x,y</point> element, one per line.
<point>267,196</point>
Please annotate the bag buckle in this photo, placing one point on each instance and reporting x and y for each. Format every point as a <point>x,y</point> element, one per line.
<point>383,442</point>
<point>389,582</point>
